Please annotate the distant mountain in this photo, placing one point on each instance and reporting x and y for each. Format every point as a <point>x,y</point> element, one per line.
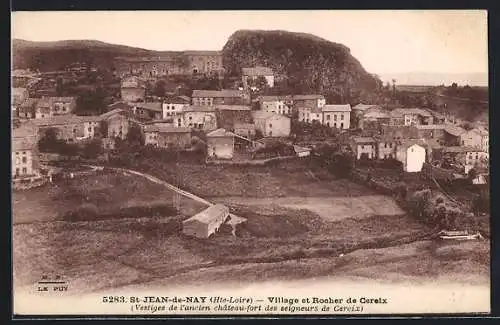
<point>50,56</point>
<point>308,64</point>
<point>436,79</point>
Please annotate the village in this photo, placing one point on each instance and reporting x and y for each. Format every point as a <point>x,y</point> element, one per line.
<point>239,126</point>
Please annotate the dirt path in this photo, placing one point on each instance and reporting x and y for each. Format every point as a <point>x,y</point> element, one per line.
<point>158,181</point>
<point>330,208</point>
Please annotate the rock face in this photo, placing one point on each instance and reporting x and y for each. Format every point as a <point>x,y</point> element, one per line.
<point>304,63</point>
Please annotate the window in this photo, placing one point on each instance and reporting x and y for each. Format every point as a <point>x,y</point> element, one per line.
<point>190,118</point>
<point>335,117</point>
<point>24,160</point>
<point>412,149</point>
<point>342,116</point>
<point>90,129</point>
<point>335,125</point>
<point>64,109</point>
<point>385,145</point>
<point>328,117</point>
<point>25,171</point>
<point>341,125</point>
<point>17,171</point>
<point>270,125</point>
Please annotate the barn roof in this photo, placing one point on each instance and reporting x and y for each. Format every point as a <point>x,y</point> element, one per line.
<point>208,214</point>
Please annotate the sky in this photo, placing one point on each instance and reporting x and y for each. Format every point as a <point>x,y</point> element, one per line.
<point>451,41</point>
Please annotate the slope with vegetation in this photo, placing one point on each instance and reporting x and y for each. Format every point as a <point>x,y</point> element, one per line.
<point>303,63</point>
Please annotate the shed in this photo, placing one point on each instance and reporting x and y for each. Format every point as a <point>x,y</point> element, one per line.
<point>207,222</point>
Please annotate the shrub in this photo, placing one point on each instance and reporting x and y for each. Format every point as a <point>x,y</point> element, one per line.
<point>84,212</point>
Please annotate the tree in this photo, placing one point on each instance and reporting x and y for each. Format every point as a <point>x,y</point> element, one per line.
<point>59,87</point>
<point>394,85</point>
<point>159,88</point>
<point>49,142</point>
<point>92,149</point>
<point>103,128</point>
<point>135,137</point>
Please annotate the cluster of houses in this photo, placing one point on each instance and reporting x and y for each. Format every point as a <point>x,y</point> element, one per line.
<point>231,116</point>
<point>415,136</point>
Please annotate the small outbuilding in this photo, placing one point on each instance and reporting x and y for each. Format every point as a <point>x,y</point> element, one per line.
<point>207,222</point>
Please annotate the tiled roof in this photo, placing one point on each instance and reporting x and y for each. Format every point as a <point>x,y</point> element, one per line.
<point>375,114</point>
<point>398,112</point>
<point>178,100</point>
<point>199,108</point>
<point>337,108</point>
<point>363,139</point>
<point>454,130</point>
<point>156,106</point>
<point>219,133</point>
<point>64,119</point>
<point>275,98</point>
<point>249,126</point>
<point>410,142</point>
<point>431,127</point>
<point>305,97</point>
<point>62,99</point>
<point>459,149</point>
<point>121,105</point>
<point>217,93</point>
<point>262,115</point>
<point>165,129</point>
<point>113,112</point>
<point>257,71</point>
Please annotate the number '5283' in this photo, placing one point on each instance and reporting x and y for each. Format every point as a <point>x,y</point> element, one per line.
<point>113,299</point>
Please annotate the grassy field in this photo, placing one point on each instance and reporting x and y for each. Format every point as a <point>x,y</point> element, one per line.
<point>107,192</point>
<point>289,178</point>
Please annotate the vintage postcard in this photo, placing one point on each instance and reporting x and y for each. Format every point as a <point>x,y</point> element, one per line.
<point>250,162</point>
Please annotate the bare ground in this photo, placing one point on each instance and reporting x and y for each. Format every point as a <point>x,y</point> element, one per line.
<point>293,239</point>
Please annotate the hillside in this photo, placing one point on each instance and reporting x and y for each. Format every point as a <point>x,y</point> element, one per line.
<point>51,56</point>
<point>306,63</point>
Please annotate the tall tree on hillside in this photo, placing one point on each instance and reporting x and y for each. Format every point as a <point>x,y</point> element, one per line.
<point>394,85</point>
<point>59,87</point>
<point>159,88</point>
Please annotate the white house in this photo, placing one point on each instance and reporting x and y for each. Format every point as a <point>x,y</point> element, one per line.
<point>337,116</point>
<point>200,117</point>
<point>412,155</point>
<point>271,124</point>
<point>174,106</point>
<point>276,104</point>
<point>477,138</point>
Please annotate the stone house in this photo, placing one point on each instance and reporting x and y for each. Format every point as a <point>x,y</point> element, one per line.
<point>220,97</point>
<point>163,136</point>
<point>337,116</point>
<point>272,125</point>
